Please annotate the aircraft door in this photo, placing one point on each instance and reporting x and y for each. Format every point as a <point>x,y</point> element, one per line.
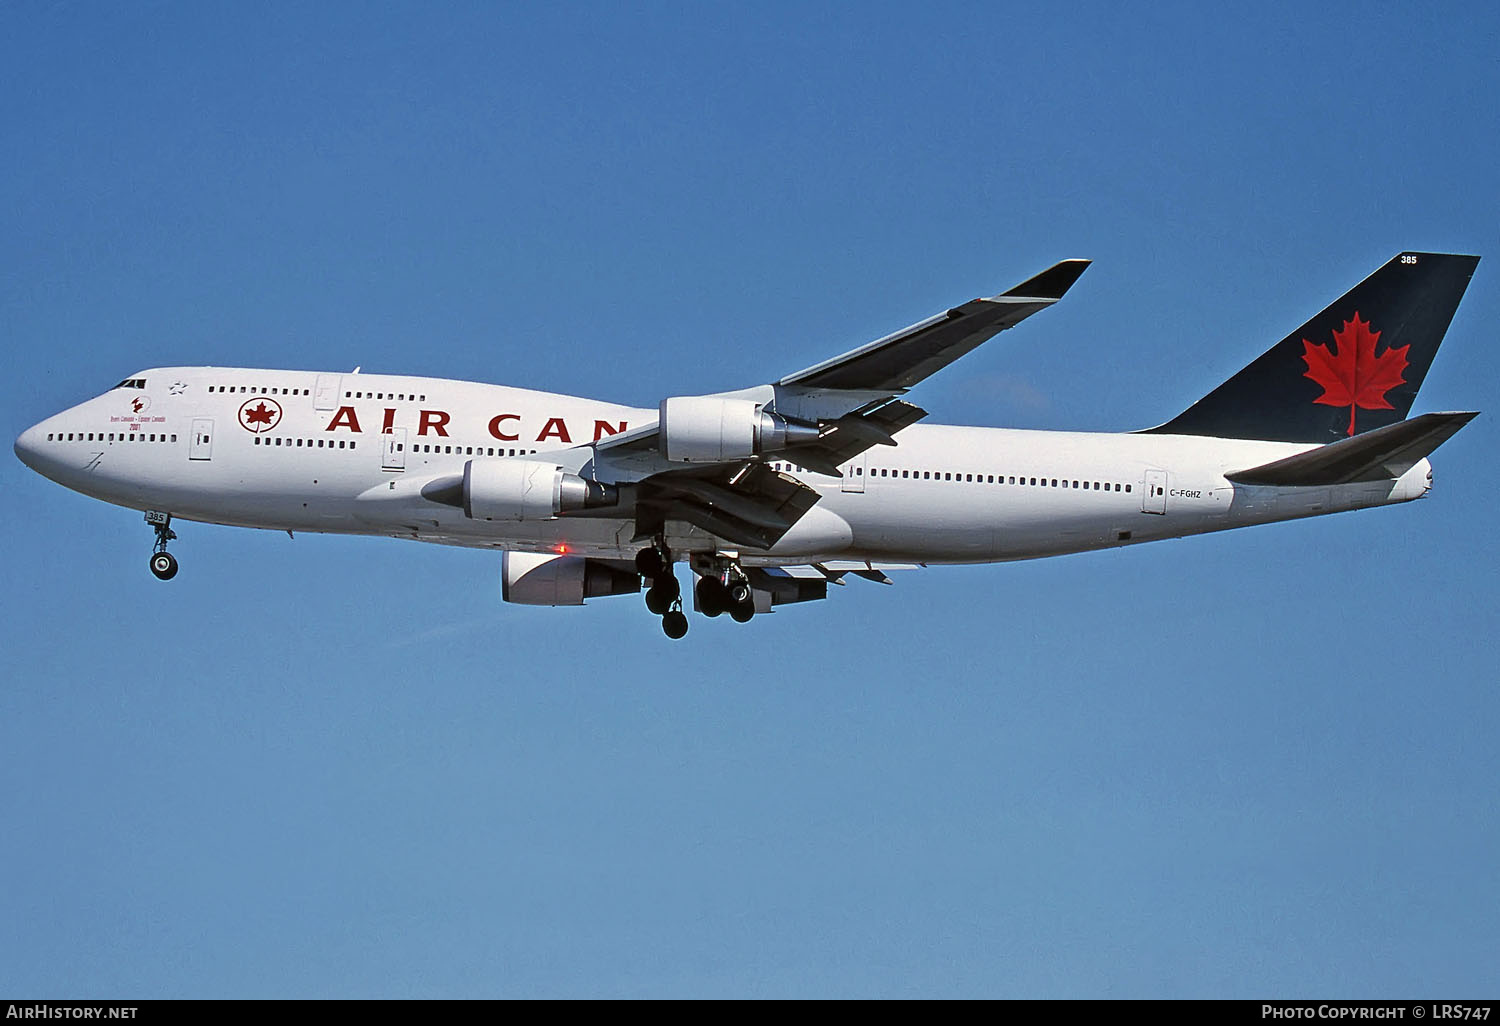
<point>1154,498</point>
<point>854,474</point>
<point>202,445</point>
<point>326,395</point>
<point>393,449</point>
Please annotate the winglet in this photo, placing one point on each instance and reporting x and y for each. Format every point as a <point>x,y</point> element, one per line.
<point>1053,283</point>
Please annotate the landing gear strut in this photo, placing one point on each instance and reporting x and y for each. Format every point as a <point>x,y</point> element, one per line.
<point>163,563</point>
<point>664,597</point>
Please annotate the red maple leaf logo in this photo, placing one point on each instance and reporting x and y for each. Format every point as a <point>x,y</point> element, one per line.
<point>136,405</point>
<point>262,414</point>
<point>1351,374</point>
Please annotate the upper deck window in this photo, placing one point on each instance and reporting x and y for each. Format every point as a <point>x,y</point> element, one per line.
<point>132,383</point>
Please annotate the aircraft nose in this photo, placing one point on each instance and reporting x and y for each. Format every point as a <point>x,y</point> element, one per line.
<point>28,446</point>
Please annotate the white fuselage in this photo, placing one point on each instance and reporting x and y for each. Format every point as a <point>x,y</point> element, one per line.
<point>349,454</point>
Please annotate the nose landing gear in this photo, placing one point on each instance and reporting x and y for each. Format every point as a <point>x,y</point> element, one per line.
<point>163,563</point>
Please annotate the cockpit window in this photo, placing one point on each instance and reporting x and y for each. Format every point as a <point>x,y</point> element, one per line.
<point>132,383</point>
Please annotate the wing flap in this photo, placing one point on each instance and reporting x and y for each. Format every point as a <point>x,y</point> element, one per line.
<point>1382,454</point>
<point>745,503</point>
<point>808,582</point>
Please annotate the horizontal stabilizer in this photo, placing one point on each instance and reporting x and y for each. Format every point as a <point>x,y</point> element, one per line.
<point>1382,454</point>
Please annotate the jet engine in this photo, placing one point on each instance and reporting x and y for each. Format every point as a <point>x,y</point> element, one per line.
<point>528,490</point>
<point>539,579</point>
<point>706,429</point>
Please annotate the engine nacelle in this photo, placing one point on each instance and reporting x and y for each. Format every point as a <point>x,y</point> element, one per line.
<point>706,429</point>
<point>528,490</point>
<point>538,579</point>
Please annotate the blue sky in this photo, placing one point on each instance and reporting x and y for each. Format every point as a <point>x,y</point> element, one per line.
<point>1260,763</point>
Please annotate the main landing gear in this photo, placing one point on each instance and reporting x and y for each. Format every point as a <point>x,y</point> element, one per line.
<point>726,589</point>
<point>664,597</point>
<point>723,587</point>
<point>163,563</point>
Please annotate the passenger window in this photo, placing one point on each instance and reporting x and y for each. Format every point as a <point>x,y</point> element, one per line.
<point>1127,488</point>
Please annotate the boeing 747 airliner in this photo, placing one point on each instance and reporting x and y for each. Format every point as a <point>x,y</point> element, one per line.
<point>769,493</point>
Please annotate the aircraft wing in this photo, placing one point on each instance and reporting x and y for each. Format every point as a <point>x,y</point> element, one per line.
<point>745,502</point>
<point>898,361</point>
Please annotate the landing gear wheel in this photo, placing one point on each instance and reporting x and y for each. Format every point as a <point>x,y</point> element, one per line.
<point>649,564</point>
<point>674,624</point>
<point>661,595</point>
<point>742,611</point>
<point>712,599</point>
<point>164,566</point>
<point>739,592</point>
